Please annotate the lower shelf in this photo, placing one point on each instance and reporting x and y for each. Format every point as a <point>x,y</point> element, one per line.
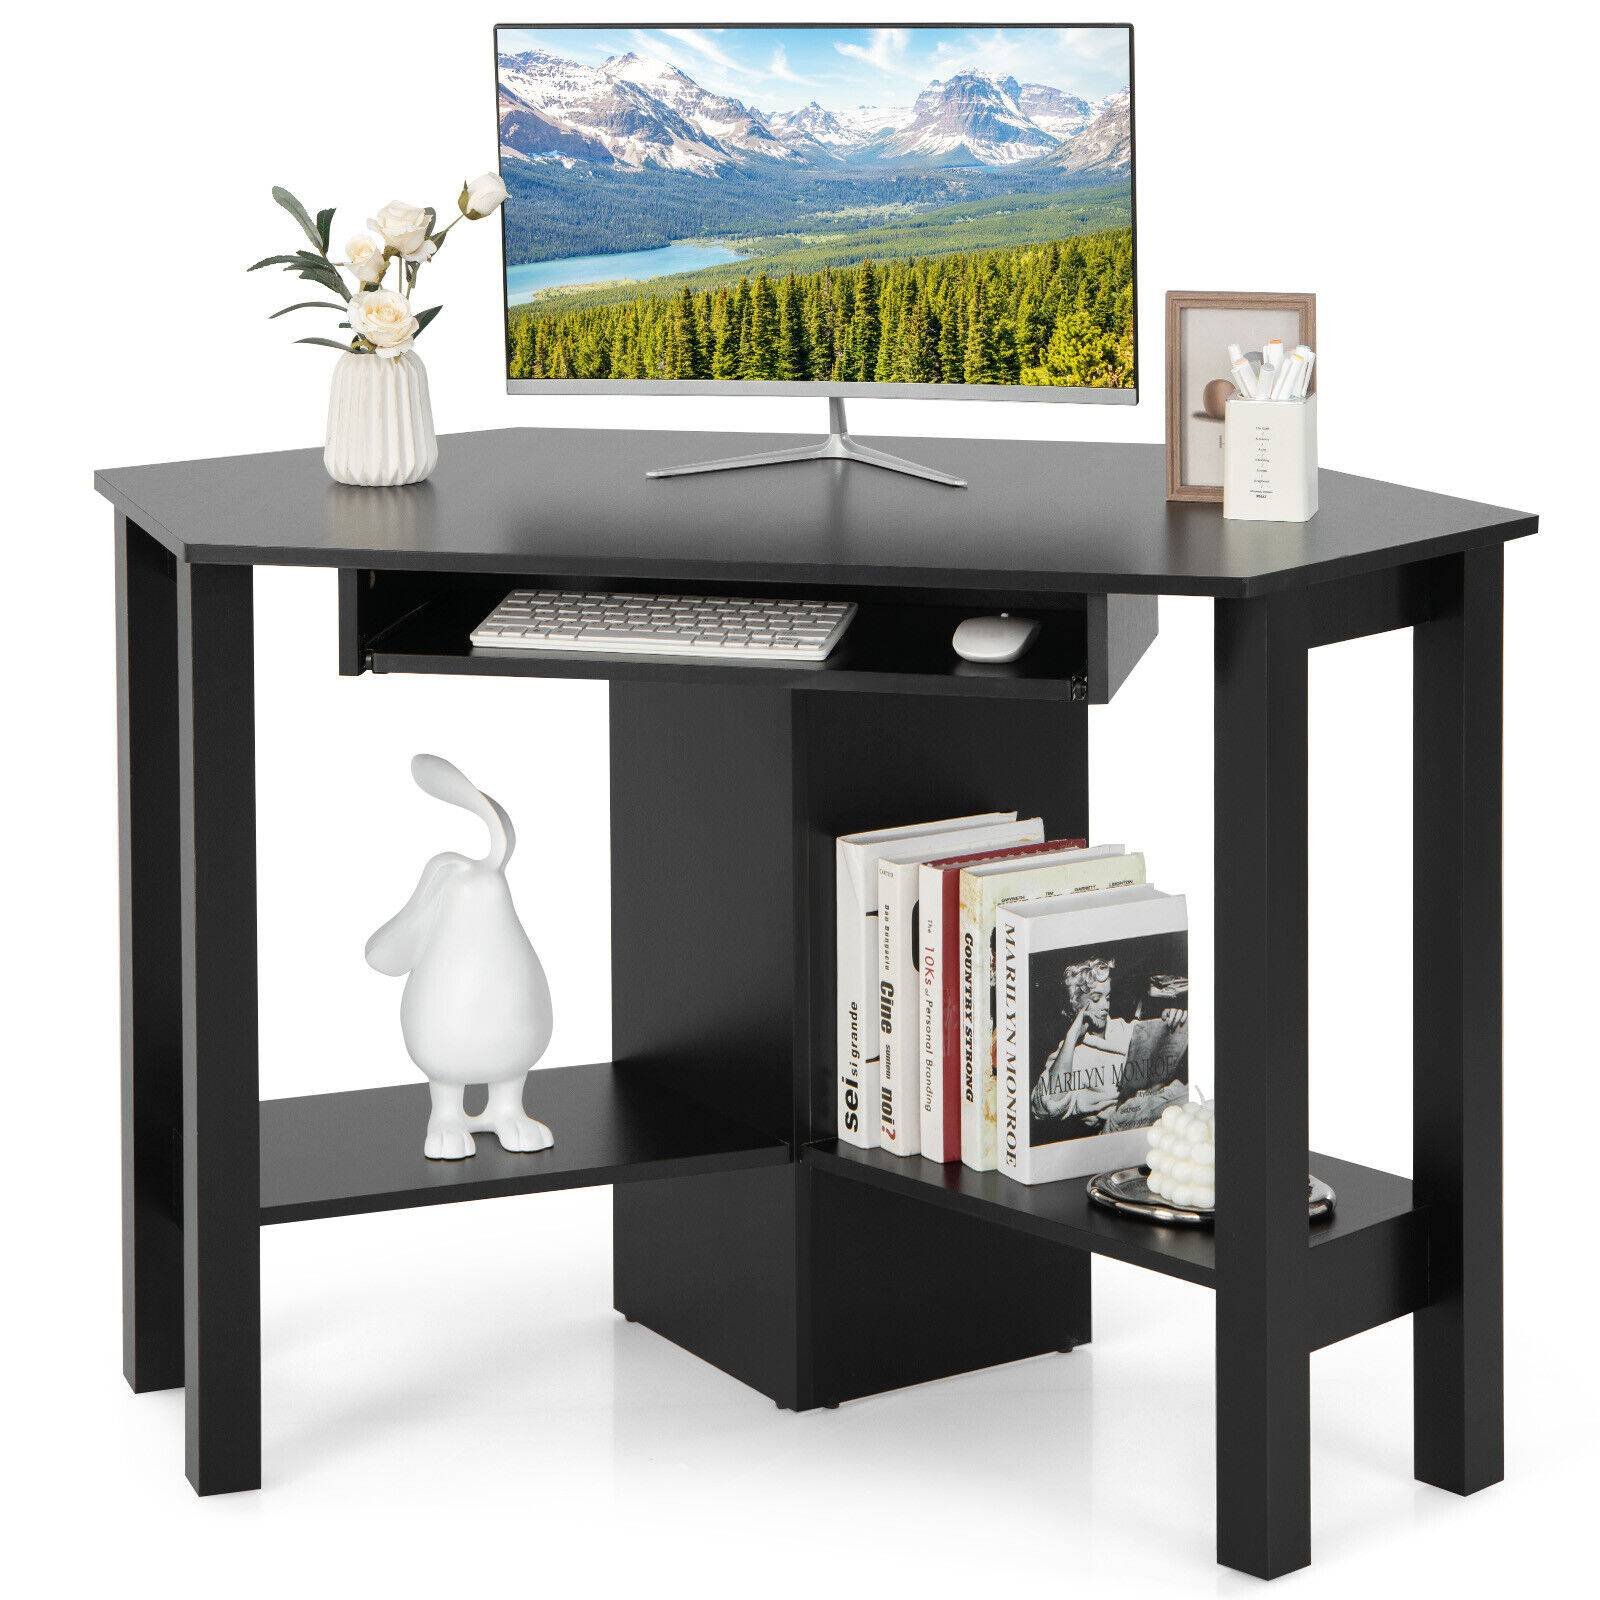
<point>1369,1259</point>
<point>335,1155</point>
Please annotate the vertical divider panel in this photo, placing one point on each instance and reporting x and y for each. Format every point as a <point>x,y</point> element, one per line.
<point>725,805</point>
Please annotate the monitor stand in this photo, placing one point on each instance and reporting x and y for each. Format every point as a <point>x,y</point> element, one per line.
<point>838,446</point>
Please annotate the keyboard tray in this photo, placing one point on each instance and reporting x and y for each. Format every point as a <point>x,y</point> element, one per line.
<point>421,622</point>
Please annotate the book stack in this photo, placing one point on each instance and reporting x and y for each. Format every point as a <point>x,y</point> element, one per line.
<point>1006,1000</point>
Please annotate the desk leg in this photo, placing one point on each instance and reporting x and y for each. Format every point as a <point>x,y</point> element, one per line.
<point>1456,1157</point>
<point>1263,1247</point>
<point>221,1090</point>
<point>152,992</point>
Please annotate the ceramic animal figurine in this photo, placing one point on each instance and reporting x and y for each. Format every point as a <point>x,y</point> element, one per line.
<point>476,1006</point>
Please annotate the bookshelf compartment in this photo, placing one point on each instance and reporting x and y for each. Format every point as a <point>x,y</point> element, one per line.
<point>335,1155</point>
<point>421,622</point>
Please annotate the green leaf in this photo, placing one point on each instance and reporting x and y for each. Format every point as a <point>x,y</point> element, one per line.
<point>325,278</point>
<point>332,344</point>
<point>306,305</point>
<point>274,261</point>
<point>425,317</point>
<point>299,213</point>
<point>325,227</point>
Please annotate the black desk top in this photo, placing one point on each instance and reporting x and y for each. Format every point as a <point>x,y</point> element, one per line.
<point>1037,517</point>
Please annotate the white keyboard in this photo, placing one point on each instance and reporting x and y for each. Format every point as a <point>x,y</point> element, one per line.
<point>715,627</point>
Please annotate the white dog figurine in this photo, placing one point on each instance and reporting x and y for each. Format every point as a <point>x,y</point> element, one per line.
<point>476,1007</point>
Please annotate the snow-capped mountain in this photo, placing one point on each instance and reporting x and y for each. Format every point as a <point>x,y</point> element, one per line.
<point>811,123</point>
<point>633,127</point>
<point>842,132</point>
<point>865,125</point>
<point>1060,114</point>
<point>527,134</point>
<point>973,116</point>
<point>1105,144</point>
<point>837,135</point>
<point>635,111</point>
<point>728,124</point>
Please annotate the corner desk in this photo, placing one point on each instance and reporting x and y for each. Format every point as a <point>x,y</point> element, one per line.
<point>744,1230</point>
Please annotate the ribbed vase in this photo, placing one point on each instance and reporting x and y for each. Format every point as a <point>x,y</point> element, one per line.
<point>380,424</point>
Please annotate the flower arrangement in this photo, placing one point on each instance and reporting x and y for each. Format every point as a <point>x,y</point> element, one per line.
<point>380,319</point>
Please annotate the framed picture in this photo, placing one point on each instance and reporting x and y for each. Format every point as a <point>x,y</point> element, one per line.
<point>1200,327</point>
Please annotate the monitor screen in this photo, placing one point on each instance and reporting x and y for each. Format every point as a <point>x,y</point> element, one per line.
<point>906,211</point>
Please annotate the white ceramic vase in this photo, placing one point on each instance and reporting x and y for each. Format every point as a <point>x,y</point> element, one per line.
<point>380,424</point>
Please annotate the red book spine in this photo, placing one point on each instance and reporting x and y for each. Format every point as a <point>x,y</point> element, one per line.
<point>950,1012</point>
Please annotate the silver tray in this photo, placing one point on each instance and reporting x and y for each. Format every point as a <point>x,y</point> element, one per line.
<point>1125,1190</point>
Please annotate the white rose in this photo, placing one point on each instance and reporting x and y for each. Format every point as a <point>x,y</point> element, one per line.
<point>404,228</point>
<point>365,256</point>
<point>383,318</point>
<point>480,196</point>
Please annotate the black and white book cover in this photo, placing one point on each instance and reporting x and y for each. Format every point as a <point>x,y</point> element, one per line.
<point>1094,1029</point>
<point>1073,871</point>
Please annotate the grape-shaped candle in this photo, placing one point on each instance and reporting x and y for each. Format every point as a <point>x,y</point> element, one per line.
<point>1183,1156</point>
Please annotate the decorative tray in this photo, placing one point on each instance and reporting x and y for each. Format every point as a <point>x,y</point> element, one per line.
<point>1125,1190</point>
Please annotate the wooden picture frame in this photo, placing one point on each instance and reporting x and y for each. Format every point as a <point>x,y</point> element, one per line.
<point>1196,343</point>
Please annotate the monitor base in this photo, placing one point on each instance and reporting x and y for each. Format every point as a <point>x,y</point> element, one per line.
<point>838,446</point>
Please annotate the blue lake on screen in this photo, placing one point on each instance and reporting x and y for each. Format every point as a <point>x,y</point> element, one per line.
<point>525,281</point>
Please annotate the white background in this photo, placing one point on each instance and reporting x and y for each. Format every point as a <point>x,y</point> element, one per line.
<point>447,1390</point>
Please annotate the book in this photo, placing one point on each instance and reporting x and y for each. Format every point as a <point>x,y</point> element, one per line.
<point>856,857</point>
<point>1094,1029</point>
<point>984,889</point>
<point>939,1025</point>
<point>898,1130</point>
<point>900,941</point>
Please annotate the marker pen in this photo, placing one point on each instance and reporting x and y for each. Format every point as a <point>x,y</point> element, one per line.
<point>1236,364</point>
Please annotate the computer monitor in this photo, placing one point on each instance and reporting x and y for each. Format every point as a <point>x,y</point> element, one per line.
<point>905,212</point>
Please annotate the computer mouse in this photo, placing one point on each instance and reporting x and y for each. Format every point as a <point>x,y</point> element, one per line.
<point>1001,638</point>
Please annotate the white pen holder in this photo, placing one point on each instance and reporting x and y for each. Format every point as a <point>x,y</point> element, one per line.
<point>1269,460</point>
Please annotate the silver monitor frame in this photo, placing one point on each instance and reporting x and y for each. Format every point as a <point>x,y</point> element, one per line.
<point>1035,394</point>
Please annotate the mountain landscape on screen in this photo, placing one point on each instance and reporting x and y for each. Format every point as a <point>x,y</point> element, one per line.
<point>902,205</point>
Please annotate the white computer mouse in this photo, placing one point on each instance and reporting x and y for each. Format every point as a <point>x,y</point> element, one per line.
<point>1001,638</point>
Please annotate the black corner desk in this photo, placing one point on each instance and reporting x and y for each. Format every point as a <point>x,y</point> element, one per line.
<point>744,1232</point>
